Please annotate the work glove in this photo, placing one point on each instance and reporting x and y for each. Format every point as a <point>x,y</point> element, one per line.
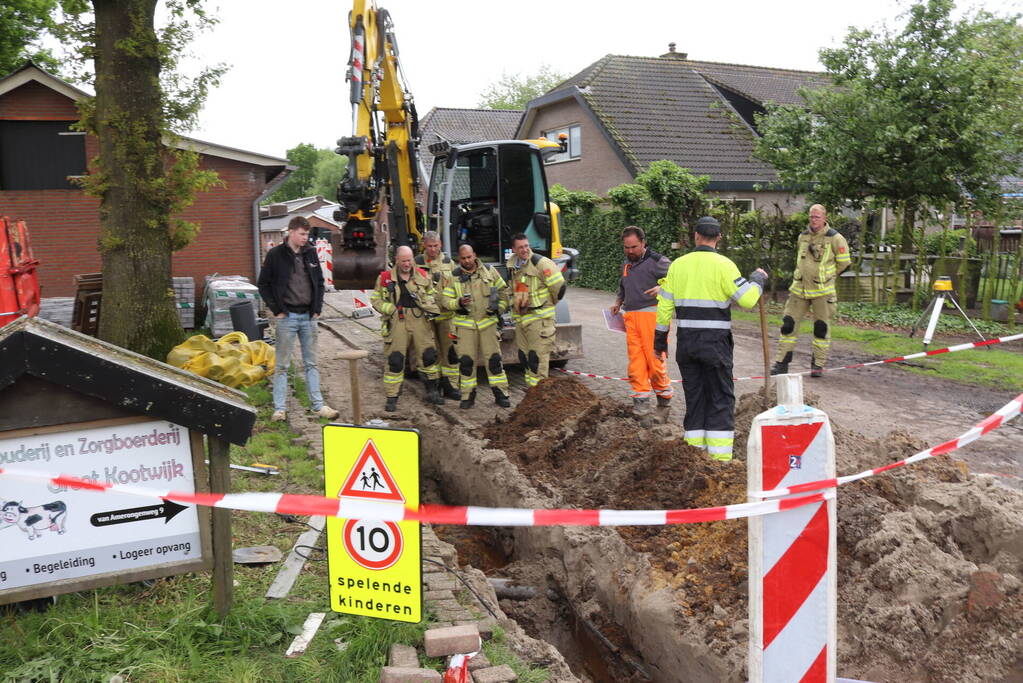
<point>759,276</point>
<point>660,342</point>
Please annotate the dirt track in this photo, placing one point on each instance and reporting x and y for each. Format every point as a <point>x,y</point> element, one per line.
<point>916,547</point>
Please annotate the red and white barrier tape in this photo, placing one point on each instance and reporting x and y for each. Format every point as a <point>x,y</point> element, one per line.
<point>286,503</point>
<point>993,421</point>
<point>922,354</point>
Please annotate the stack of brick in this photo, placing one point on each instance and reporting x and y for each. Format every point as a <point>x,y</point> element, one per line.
<point>403,663</point>
<point>184,301</point>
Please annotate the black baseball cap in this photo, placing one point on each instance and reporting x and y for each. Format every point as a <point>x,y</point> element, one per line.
<point>708,227</point>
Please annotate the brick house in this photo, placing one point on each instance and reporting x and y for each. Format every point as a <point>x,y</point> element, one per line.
<point>621,113</point>
<point>274,219</point>
<point>38,154</point>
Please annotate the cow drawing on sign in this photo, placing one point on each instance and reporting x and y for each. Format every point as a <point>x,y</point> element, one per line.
<point>33,520</point>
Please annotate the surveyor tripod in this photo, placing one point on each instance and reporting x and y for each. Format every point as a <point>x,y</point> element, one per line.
<point>942,289</point>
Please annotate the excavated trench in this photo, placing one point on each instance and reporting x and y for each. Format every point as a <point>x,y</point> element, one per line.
<point>669,603</point>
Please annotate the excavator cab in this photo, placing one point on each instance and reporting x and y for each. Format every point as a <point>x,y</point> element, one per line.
<point>483,193</point>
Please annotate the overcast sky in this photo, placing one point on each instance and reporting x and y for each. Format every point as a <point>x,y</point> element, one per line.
<point>288,57</point>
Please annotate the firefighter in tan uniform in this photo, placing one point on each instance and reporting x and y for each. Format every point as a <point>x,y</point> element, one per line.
<point>535,286</point>
<point>478,295</point>
<point>405,299</point>
<point>439,266</point>
<point>821,255</point>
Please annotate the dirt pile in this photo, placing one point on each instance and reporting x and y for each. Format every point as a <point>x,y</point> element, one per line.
<point>929,557</point>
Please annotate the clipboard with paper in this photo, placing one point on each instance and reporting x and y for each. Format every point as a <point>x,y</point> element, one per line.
<point>615,322</point>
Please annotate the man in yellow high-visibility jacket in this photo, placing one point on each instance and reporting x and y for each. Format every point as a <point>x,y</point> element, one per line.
<point>535,285</point>
<point>821,256</point>
<point>699,290</point>
<point>439,265</point>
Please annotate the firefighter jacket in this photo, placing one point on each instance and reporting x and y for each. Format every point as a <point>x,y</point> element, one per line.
<point>534,288</point>
<point>439,270</point>
<point>699,290</point>
<point>640,276</point>
<point>387,297</point>
<point>820,258</point>
<point>488,292</point>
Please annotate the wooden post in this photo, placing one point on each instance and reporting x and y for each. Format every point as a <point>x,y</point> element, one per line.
<point>223,563</point>
<point>353,356</point>
<point>767,352</point>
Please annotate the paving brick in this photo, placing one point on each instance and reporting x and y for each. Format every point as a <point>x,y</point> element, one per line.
<point>985,595</point>
<point>438,595</point>
<point>451,640</point>
<point>395,674</point>
<point>495,674</point>
<point>403,656</point>
<point>439,582</point>
<point>478,662</point>
<point>486,627</point>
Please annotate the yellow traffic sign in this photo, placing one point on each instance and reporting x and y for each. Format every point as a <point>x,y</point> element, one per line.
<point>375,567</point>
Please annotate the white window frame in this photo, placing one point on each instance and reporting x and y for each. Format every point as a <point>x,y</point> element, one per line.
<point>735,200</point>
<point>574,152</point>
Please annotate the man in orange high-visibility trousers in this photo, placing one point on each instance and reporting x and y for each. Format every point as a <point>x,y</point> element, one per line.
<point>698,291</point>
<point>637,294</point>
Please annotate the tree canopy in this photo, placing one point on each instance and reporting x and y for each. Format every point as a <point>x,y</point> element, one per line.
<point>515,90</point>
<point>317,172</point>
<point>928,114</point>
<point>22,23</point>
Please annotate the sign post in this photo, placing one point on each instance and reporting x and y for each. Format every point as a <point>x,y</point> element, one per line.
<point>375,567</point>
<point>792,553</point>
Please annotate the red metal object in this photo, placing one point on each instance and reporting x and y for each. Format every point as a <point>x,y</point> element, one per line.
<point>19,283</point>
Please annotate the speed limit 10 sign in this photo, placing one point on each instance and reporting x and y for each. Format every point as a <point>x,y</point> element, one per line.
<point>375,567</point>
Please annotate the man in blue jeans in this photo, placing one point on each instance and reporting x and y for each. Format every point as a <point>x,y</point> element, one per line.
<point>291,284</point>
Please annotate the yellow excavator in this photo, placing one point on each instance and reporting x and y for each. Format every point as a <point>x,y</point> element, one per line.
<point>482,193</point>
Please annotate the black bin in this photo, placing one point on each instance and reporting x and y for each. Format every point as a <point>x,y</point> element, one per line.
<point>243,319</point>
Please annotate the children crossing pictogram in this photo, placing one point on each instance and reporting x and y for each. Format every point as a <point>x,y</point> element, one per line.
<point>370,479</point>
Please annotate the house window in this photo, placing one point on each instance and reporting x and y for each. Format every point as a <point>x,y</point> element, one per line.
<point>40,155</point>
<point>575,145</point>
<point>740,205</point>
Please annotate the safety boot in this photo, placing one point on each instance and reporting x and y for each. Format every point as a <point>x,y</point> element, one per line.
<point>780,368</point>
<point>448,391</point>
<point>392,404</point>
<point>468,402</point>
<point>432,393</point>
<point>640,405</point>
<point>816,370</point>
<point>501,398</point>
<point>663,401</point>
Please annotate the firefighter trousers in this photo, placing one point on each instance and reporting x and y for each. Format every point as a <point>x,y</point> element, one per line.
<point>704,358</point>
<point>822,308</point>
<point>473,343</point>
<point>647,371</point>
<point>535,341</point>
<point>447,359</point>
<point>411,331</point>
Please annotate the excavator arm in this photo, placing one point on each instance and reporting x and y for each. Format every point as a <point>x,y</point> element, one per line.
<point>377,193</point>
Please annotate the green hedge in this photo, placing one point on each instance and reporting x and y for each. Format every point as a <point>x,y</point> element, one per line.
<point>752,240</point>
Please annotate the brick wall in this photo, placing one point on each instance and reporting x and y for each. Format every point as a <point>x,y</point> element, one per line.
<point>598,169</point>
<point>64,224</point>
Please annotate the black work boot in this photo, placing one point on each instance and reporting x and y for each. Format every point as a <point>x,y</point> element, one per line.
<point>501,398</point>
<point>448,391</point>
<point>468,402</point>
<point>432,393</point>
<point>816,370</point>
<point>780,368</point>
<point>392,404</point>
<point>663,401</point>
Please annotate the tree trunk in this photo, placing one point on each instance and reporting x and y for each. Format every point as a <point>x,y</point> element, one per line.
<point>138,303</point>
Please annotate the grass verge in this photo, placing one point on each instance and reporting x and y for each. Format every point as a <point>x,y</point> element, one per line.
<point>999,367</point>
